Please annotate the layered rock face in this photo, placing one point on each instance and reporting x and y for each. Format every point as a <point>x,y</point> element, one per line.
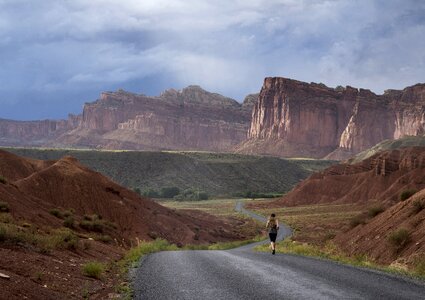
<point>380,178</point>
<point>188,119</point>
<point>37,133</point>
<point>293,118</point>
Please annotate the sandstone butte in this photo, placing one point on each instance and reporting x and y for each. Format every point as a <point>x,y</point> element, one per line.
<point>297,119</point>
<point>289,118</point>
<point>189,119</point>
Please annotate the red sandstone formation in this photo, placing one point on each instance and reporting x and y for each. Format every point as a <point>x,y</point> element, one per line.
<point>188,119</point>
<point>293,118</point>
<point>373,238</point>
<point>32,188</point>
<point>380,178</point>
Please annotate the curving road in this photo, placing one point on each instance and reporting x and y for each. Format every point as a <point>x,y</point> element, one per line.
<point>244,274</point>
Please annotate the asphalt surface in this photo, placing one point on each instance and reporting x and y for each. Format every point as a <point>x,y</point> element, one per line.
<point>244,274</point>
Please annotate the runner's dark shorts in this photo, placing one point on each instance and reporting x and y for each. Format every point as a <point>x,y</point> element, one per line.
<point>273,237</point>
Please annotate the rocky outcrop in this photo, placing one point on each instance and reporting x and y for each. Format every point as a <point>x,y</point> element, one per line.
<point>293,118</point>
<point>380,178</point>
<point>34,133</point>
<point>188,119</point>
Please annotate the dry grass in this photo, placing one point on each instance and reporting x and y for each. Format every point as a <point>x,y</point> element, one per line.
<point>216,207</point>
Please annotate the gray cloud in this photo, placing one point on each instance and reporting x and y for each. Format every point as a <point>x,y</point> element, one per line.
<point>64,52</point>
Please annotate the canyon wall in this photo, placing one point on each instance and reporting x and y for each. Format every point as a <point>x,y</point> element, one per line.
<point>190,119</point>
<point>293,118</point>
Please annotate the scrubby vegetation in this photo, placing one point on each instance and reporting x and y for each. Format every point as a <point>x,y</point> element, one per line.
<point>399,238</point>
<point>217,174</point>
<point>93,269</point>
<point>375,210</point>
<point>44,242</point>
<point>407,194</point>
<point>95,223</point>
<point>3,180</point>
<point>418,205</point>
<point>69,222</point>
<point>4,207</point>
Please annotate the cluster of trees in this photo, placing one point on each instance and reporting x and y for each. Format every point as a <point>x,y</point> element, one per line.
<point>174,193</point>
<point>251,194</point>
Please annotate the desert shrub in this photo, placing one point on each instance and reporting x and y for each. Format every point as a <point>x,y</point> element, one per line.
<point>68,213</point>
<point>420,266</point>
<point>56,212</point>
<point>151,193</point>
<point>169,192</point>
<point>4,207</point>
<point>357,220</point>
<point>3,233</point>
<point>137,191</point>
<point>375,210</point>
<point>418,205</point>
<point>399,238</point>
<point>93,269</point>
<point>69,222</point>
<point>3,180</point>
<point>407,194</point>
<point>202,196</point>
<point>64,239</point>
<point>95,225</point>
<point>104,238</point>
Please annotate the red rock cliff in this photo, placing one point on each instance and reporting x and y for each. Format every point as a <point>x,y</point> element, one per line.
<point>293,118</point>
<point>188,119</point>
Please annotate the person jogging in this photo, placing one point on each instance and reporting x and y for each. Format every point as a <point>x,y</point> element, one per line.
<point>272,226</point>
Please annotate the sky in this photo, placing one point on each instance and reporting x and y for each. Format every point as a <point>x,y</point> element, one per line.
<point>57,55</point>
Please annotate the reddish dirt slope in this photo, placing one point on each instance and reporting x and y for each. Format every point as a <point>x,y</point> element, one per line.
<point>14,167</point>
<point>373,237</point>
<point>380,178</point>
<point>32,189</point>
<point>66,184</point>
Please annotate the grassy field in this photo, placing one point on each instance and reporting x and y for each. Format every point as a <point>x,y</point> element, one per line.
<point>216,207</point>
<point>217,174</point>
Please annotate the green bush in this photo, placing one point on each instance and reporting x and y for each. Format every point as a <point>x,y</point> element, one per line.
<point>66,239</point>
<point>357,220</point>
<point>3,180</point>
<point>151,193</point>
<point>418,205</point>
<point>103,238</point>
<point>56,212</point>
<point>407,194</point>
<point>191,194</point>
<point>69,222</point>
<point>93,269</point>
<point>95,225</point>
<point>420,266</point>
<point>4,207</point>
<point>137,191</point>
<point>399,238</point>
<point>169,192</point>
<point>374,211</point>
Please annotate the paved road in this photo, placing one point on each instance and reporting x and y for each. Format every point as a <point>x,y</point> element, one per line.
<point>244,274</point>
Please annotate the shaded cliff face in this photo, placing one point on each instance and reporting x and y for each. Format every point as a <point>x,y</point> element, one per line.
<point>188,119</point>
<point>293,118</point>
